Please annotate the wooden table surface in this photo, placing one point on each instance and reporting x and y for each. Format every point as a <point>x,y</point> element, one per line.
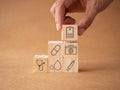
<point>26,26</point>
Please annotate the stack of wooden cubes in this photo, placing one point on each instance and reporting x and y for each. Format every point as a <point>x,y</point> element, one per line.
<point>62,55</point>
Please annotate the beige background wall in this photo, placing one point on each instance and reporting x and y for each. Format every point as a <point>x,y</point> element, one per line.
<point>26,26</point>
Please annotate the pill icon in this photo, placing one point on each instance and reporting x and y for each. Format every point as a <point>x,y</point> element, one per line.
<point>55,50</point>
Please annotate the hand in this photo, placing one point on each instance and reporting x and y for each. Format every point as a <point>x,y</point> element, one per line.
<point>90,8</point>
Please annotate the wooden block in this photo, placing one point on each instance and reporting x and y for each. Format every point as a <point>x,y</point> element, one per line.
<point>40,63</point>
<point>69,33</point>
<point>61,54</point>
<point>71,49</point>
<point>70,64</point>
<point>55,54</point>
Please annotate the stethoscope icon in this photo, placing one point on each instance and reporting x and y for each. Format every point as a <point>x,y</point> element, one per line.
<point>40,64</point>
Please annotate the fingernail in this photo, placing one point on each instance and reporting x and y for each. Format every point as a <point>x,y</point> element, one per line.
<point>57,27</point>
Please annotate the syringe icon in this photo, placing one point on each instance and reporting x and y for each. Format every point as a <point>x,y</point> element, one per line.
<point>70,65</point>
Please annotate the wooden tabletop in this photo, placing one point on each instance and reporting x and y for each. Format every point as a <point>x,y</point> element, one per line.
<point>26,26</point>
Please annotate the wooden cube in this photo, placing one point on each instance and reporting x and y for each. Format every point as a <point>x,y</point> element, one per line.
<point>70,64</point>
<point>40,63</point>
<point>55,54</point>
<point>69,33</point>
<point>70,49</point>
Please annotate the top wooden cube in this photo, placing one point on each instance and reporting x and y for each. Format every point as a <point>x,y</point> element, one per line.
<point>69,33</point>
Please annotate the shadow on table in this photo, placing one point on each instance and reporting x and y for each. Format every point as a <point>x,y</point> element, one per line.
<point>93,69</point>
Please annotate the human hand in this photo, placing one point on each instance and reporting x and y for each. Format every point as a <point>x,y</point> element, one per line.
<point>90,8</point>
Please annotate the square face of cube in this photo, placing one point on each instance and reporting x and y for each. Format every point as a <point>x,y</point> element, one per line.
<point>70,49</point>
<point>69,33</point>
<point>55,54</point>
<point>40,63</point>
<point>70,65</point>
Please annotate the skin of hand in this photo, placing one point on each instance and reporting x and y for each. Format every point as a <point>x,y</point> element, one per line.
<point>90,8</point>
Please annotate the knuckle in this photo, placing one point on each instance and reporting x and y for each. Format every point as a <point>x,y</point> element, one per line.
<point>59,3</point>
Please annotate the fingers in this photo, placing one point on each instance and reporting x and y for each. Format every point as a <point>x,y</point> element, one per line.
<point>69,20</point>
<point>85,22</point>
<point>52,9</point>
<point>58,11</point>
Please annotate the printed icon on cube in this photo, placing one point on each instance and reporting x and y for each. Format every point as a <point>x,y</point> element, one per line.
<point>55,50</point>
<point>56,66</point>
<point>40,64</point>
<point>70,65</point>
<point>70,50</point>
<point>55,54</point>
<point>70,32</point>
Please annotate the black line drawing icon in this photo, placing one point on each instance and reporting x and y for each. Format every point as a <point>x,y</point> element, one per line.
<point>55,50</point>
<point>70,32</point>
<point>69,67</point>
<point>40,64</point>
<point>57,66</point>
<point>70,50</point>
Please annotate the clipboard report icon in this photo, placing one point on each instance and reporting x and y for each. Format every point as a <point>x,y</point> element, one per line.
<point>70,32</point>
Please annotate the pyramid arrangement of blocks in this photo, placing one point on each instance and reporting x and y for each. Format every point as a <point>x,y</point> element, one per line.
<point>62,55</point>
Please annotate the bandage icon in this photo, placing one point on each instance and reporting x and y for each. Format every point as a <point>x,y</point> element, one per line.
<point>55,50</point>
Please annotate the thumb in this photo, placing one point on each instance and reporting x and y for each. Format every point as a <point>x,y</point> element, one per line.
<point>85,22</point>
<point>59,14</point>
